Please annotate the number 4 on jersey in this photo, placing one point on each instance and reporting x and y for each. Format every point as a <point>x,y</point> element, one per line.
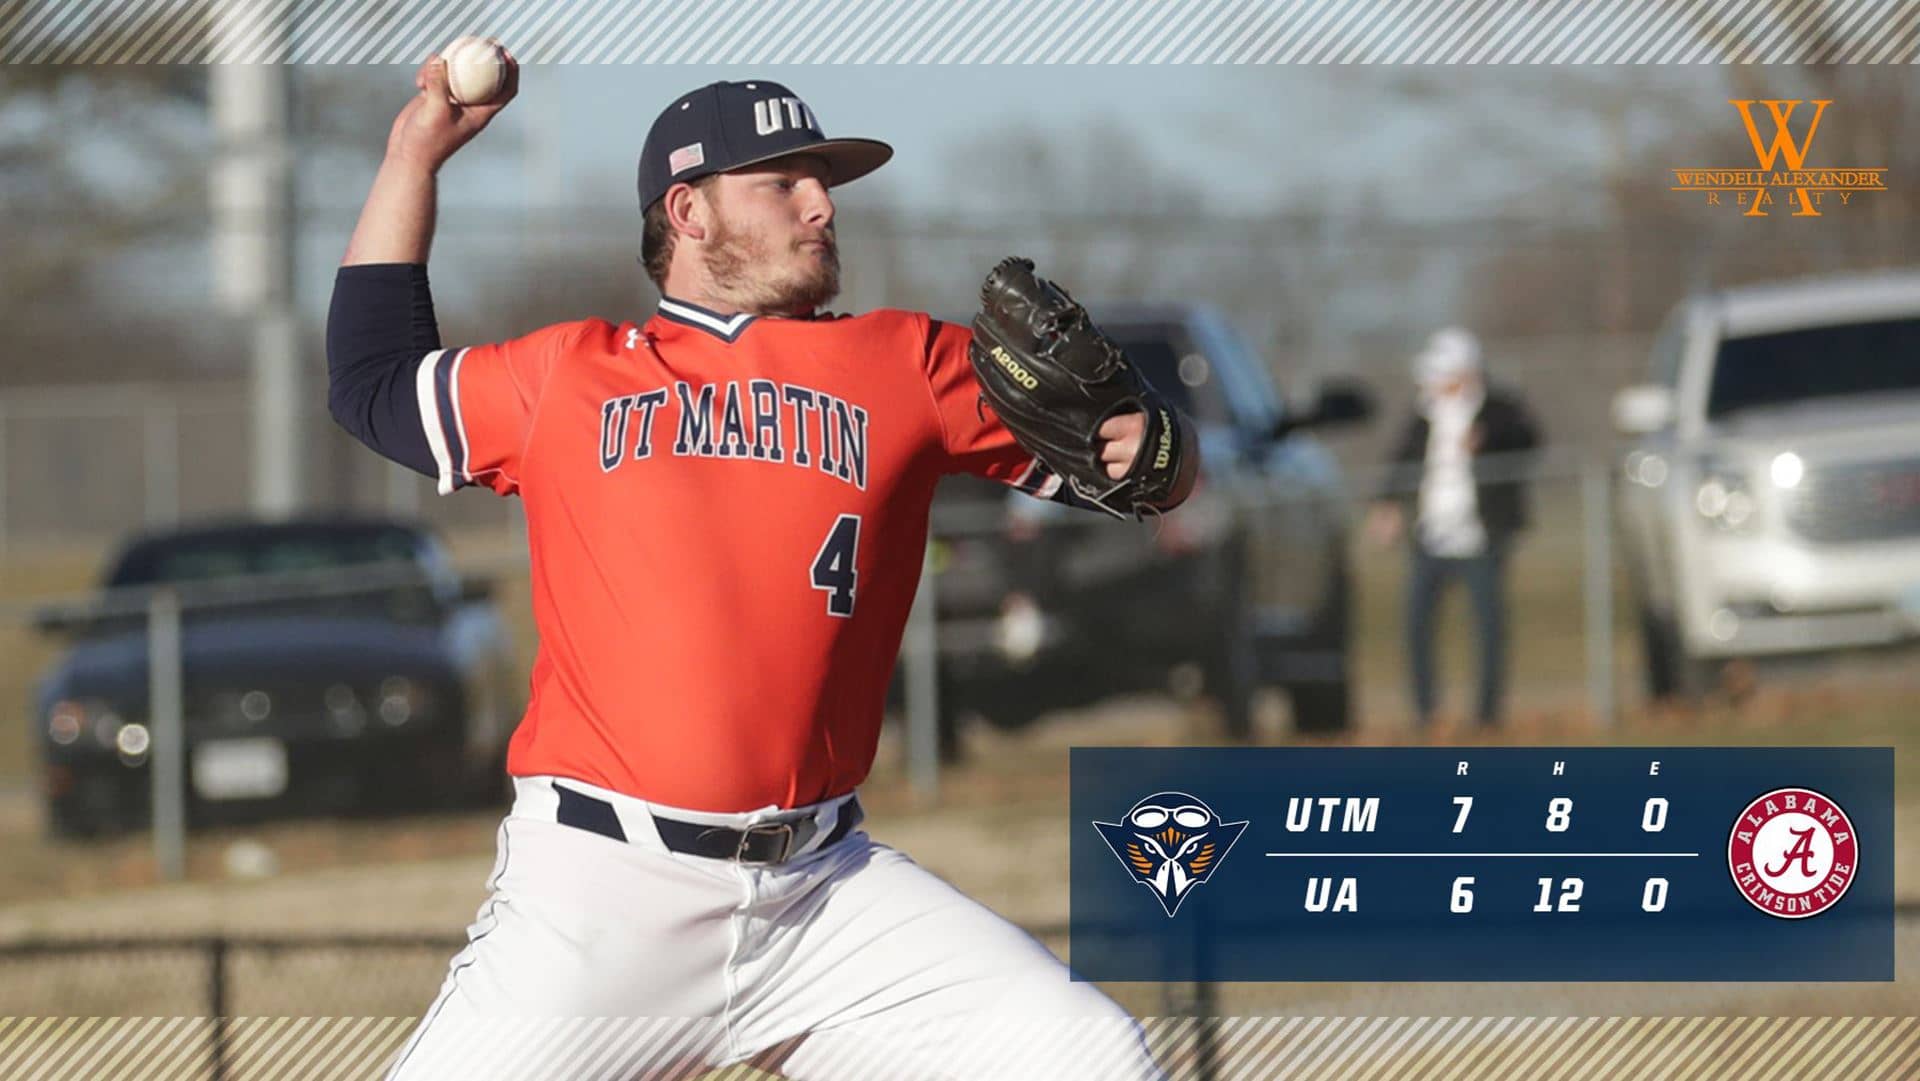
<point>833,568</point>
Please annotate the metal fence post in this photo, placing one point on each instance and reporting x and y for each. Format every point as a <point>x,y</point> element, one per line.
<point>217,1004</point>
<point>923,695</point>
<point>3,479</point>
<point>1597,518</point>
<point>166,767</point>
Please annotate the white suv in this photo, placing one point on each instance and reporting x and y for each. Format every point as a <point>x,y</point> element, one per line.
<point>1771,499</point>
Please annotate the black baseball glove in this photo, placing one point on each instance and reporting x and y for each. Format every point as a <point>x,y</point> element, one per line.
<point>1054,378</point>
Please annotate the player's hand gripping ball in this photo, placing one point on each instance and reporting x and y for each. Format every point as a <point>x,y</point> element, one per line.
<point>1054,378</point>
<point>476,69</point>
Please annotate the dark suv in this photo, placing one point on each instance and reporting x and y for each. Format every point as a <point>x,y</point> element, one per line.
<point>1042,606</point>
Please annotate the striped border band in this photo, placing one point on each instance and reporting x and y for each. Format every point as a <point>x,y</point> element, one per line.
<point>971,31</point>
<point>1240,1048</point>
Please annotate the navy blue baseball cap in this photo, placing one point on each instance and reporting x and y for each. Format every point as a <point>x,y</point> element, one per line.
<point>726,126</point>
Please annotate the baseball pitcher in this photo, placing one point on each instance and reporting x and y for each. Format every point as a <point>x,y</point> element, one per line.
<point>727,504</point>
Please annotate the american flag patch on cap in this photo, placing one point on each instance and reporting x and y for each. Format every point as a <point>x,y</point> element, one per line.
<point>686,158</point>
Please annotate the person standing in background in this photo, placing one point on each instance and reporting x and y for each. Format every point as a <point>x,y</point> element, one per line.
<point>1458,471</point>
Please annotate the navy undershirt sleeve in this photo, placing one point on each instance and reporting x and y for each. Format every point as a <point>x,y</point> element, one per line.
<point>379,327</point>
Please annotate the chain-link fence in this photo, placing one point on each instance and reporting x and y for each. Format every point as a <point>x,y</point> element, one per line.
<point>224,976</point>
<point>82,468</point>
<point>1573,634</point>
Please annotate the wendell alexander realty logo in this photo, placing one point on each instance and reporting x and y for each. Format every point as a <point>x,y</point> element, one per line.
<point>1793,853</point>
<point>1170,842</point>
<point>1783,172</point>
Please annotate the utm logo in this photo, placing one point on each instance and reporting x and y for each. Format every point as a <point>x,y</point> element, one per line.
<point>1170,842</point>
<point>1782,133</point>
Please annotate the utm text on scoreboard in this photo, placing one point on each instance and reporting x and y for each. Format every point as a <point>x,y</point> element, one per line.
<point>1508,863</point>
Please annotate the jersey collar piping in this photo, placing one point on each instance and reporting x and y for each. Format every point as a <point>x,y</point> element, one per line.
<point>724,327</point>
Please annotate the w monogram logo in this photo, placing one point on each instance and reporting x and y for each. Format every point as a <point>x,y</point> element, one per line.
<point>1782,135</point>
<point>1783,144</point>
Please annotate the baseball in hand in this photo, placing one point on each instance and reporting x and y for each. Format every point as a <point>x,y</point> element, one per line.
<point>476,69</point>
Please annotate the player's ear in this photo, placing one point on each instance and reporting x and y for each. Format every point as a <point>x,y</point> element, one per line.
<point>687,211</point>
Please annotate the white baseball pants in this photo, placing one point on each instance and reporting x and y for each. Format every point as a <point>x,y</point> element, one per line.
<point>594,958</point>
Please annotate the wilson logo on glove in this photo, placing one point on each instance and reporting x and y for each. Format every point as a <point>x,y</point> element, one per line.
<point>1014,368</point>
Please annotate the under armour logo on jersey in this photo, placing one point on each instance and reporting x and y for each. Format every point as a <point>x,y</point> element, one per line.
<point>776,114</point>
<point>1171,842</point>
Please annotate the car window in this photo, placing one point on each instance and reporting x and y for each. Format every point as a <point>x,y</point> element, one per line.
<point>1168,359</point>
<point>1819,362</point>
<point>192,557</point>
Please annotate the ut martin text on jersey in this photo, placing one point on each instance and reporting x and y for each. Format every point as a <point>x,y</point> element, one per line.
<point>764,422</point>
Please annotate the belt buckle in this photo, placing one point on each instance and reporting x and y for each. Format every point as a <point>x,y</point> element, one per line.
<point>784,830</point>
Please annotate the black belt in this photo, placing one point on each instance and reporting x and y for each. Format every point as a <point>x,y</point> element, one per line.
<point>767,842</point>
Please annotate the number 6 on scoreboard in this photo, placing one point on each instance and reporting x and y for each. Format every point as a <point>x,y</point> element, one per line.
<point>1462,900</point>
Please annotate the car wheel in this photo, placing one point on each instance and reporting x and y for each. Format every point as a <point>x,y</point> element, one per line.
<point>95,807</point>
<point>1660,654</point>
<point>947,736</point>
<point>1233,673</point>
<point>950,718</point>
<point>1320,708</point>
<point>1325,706</point>
<point>1671,672</point>
<point>66,824</point>
<point>449,779</point>
<point>488,787</point>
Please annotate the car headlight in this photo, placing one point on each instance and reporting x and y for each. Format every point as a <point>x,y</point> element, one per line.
<point>1786,470</point>
<point>132,742</point>
<point>344,709</point>
<point>65,721</point>
<point>401,700</point>
<point>1646,470</point>
<point>1725,498</point>
<point>71,719</point>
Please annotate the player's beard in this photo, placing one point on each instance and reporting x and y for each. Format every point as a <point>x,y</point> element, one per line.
<point>741,267</point>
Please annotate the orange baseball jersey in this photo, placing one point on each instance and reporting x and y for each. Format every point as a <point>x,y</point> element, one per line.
<point>726,517</point>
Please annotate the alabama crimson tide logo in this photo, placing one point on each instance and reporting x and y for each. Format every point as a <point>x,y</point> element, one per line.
<point>1792,853</point>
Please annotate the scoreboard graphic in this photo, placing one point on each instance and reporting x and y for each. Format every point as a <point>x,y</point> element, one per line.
<point>1485,863</point>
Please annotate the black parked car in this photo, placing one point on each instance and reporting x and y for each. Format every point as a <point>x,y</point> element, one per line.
<point>1042,606</point>
<point>336,665</point>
